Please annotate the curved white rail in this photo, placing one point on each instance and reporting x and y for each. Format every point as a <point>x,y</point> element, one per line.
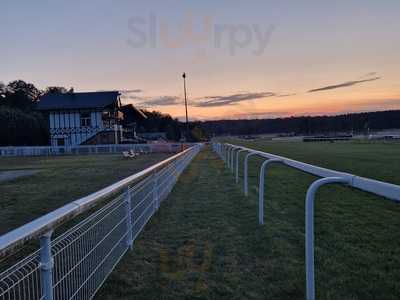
<point>380,188</point>
<point>53,219</point>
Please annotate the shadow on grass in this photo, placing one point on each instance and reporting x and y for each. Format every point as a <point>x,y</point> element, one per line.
<point>205,242</point>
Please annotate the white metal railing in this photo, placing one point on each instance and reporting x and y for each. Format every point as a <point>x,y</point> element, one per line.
<point>92,149</point>
<point>384,189</point>
<point>75,264</point>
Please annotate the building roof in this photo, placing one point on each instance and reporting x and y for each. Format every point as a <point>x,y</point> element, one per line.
<point>135,112</point>
<point>78,100</point>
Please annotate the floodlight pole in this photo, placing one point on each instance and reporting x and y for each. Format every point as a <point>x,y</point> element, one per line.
<point>187,119</point>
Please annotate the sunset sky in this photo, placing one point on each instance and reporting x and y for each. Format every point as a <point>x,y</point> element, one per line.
<point>243,59</point>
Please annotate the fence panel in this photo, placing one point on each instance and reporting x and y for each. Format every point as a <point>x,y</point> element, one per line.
<point>92,149</point>
<point>81,258</point>
<point>384,189</point>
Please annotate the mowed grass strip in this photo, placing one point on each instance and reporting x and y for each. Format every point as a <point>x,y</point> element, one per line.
<point>369,159</point>
<point>205,243</point>
<point>60,179</point>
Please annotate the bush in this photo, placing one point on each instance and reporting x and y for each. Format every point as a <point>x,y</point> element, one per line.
<point>18,128</point>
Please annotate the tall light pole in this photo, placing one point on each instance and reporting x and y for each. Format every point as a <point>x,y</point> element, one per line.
<point>187,119</point>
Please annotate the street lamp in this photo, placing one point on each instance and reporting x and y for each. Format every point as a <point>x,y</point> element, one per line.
<point>187,119</point>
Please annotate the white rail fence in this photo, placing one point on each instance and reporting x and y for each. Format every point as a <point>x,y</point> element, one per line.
<point>75,264</point>
<point>92,149</point>
<point>230,155</point>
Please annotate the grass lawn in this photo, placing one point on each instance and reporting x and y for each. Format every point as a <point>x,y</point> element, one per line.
<point>373,160</point>
<point>60,180</point>
<point>205,243</point>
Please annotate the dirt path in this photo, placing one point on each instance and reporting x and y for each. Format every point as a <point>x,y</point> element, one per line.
<point>204,243</point>
<point>11,175</point>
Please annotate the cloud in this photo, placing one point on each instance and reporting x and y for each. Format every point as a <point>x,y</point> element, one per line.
<point>131,97</point>
<point>160,101</point>
<point>262,115</point>
<point>391,102</point>
<point>208,101</point>
<point>343,85</point>
<point>285,95</point>
<point>217,101</point>
<point>130,94</point>
<point>378,104</point>
<point>372,74</point>
<point>131,91</point>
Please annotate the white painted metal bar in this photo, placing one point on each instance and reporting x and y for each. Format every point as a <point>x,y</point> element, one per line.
<point>234,148</point>
<point>229,160</point>
<point>224,153</point>
<point>90,149</point>
<point>263,168</point>
<point>75,264</point>
<point>228,151</point>
<point>53,219</point>
<point>384,189</point>
<point>237,164</point>
<point>46,266</point>
<point>309,216</point>
<point>128,211</point>
<point>246,169</point>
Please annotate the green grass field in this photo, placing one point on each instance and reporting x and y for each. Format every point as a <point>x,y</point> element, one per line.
<point>205,242</point>
<point>60,180</point>
<point>373,160</point>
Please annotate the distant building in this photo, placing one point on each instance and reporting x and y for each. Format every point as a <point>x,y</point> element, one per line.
<point>132,118</point>
<point>153,136</point>
<point>83,118</point>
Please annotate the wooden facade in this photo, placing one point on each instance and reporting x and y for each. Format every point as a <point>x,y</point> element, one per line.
<point>75,119</point>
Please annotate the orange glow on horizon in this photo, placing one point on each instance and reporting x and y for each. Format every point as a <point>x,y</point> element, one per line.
<point>301,105</point>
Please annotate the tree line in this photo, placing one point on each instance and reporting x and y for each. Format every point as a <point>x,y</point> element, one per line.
<point>174,129</point>
<point>22,125</point>
<point>348,123</point>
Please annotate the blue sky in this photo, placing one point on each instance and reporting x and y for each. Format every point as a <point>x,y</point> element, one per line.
<point>311,45</point>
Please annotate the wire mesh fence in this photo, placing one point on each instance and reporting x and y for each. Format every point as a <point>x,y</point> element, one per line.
<point>80,259</point>
<point>227,153</point>
<point>91,149</point>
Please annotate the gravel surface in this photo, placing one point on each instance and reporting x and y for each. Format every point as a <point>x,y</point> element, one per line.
<point>10,175</point>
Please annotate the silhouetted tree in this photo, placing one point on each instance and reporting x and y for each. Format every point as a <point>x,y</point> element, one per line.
<point>21,95</point>
<point>198,134</point>
<point>159,122</point>
<point>19,123</point>
<point>58,90</point>
<point>18,128</point>
<point>349,123</point>
<point>2,91</point>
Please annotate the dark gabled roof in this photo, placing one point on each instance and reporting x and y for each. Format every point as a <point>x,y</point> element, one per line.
<point>78,100</point>
<point>136,112</point>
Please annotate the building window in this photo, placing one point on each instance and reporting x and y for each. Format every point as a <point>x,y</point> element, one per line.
<point>60,142</point>
<point>85,120</point>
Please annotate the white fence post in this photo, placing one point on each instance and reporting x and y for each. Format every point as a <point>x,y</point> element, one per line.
<point>128,208</point>
<point>234,148</point>
<point>46,265</point>
<point>155,191</point>
<point>310,199</point>
<point>228,158</point>
<point>237,164</point>
<point>121,219</point>
<point>261,189</point>
<point>383,189</point>
<point>246,173</point>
